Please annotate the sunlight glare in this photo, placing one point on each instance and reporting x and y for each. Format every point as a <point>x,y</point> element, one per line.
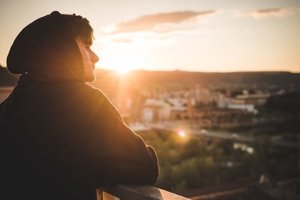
<point>181,133</point>
<point>121,59</point>
<point>121,71</point>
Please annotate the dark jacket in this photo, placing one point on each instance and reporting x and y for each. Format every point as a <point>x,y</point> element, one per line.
<point>67,137</point>
<point>61,139</point>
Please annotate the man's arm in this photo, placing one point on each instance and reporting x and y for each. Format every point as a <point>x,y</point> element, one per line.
<point>123,157</point>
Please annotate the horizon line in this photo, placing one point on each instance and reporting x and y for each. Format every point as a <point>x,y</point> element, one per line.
<point>179,70</point>
<point>204,71</point>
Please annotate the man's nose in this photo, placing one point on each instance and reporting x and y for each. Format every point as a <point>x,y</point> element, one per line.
<point>95,57</point>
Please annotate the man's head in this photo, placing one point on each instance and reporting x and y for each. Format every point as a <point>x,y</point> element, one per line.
<point>52,45</point>
<point>89,58</point>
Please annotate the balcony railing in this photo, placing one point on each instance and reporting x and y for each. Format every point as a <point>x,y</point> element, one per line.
<point>125,192</point>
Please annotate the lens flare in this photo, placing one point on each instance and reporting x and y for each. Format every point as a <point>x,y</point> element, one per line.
<point>181,133</point>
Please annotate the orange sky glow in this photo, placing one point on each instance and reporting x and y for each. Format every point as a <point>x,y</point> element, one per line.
<point>190,35</point>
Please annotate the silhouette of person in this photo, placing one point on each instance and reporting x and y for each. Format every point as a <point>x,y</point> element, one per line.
<point>60,137</point>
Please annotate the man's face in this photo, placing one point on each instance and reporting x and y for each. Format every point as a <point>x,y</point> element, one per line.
<point>89,58</point>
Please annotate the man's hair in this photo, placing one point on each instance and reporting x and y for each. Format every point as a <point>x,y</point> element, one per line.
<point>79,26</point>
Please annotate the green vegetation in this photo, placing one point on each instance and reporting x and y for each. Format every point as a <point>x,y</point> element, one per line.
<point>194,162</point>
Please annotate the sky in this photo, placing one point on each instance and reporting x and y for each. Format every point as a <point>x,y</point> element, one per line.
<point>188,35</point>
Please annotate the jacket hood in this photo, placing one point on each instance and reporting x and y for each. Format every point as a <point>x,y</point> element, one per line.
<point>46,46</point>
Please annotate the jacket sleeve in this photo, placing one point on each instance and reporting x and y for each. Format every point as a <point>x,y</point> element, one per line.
<point>122,157</point>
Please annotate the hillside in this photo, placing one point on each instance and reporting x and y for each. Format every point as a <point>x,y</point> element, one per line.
<point>145,79</point>
<point>249,80</point>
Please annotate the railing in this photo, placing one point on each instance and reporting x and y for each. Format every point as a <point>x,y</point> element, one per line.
<point>125,192</point>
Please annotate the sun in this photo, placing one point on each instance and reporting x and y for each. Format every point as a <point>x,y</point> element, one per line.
<point>120,59</point>
<point>121,70</point>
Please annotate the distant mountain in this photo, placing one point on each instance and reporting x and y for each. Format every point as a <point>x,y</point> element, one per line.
<point>109,80</point>
<point>247,80</point>
<point>6,78</point>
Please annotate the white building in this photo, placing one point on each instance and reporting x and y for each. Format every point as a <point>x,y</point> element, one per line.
<point>244,101</point>
<point>156,110</point>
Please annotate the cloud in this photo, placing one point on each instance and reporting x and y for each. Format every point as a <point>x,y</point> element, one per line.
<point>160,22</point>
<point>139,39</point>
<point>158,29</point>
<point>122,39</point>
<point>272,12</point>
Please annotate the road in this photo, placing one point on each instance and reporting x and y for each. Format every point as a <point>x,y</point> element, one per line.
<point>228,136</point>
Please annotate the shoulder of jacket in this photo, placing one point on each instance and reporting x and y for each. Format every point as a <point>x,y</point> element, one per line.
<point>94,92</point>
<point>101,102</point>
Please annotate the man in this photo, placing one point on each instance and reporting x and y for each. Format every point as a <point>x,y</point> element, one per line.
<point>61,138</point>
